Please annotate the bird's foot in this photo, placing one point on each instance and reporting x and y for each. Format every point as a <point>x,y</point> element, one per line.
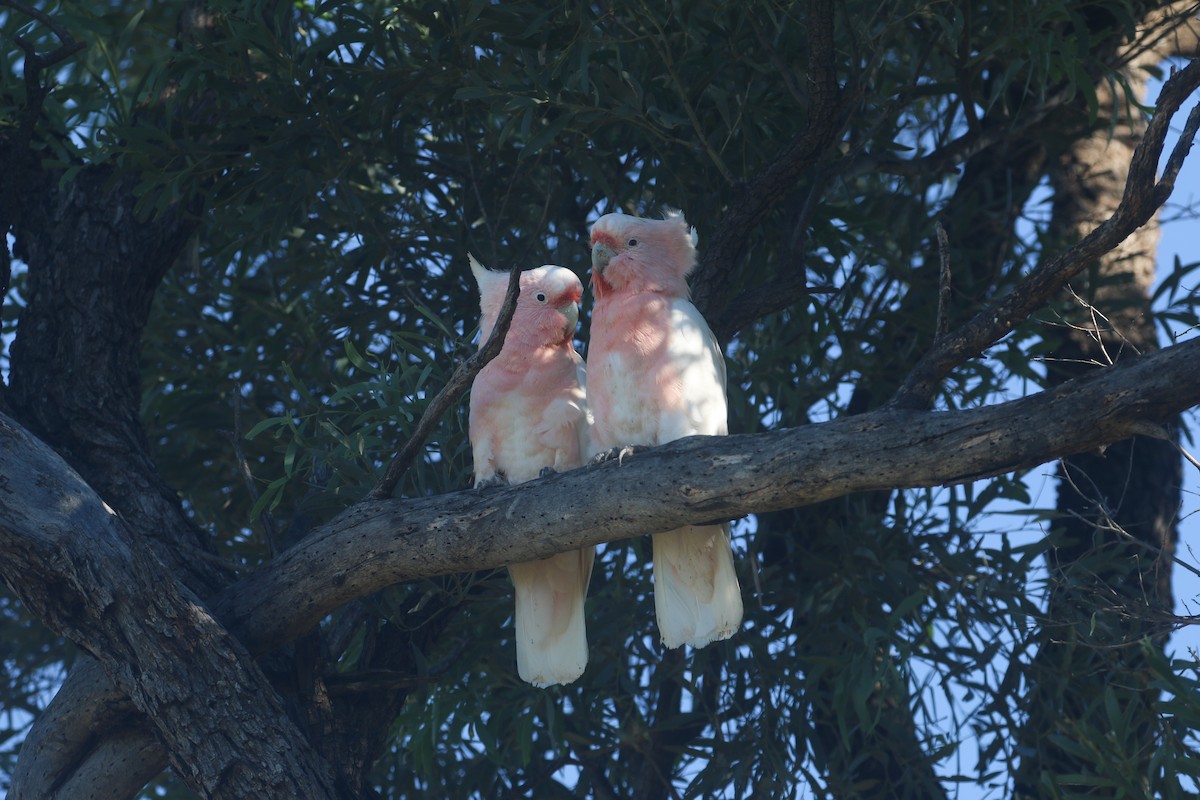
<point>498,479</point>
<point>619,453</point>
<point>546,472</point>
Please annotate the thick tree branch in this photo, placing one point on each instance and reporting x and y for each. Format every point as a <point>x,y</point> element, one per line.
<point>91,741</point>
<point>1143,197</point>
<point>1175,35</point>
<point>376,544</point>
<point>379,543</point>
<point>73,562</point>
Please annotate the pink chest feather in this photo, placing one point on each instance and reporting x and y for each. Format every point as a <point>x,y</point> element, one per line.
<point>542,373</point>
<point>632,380</point>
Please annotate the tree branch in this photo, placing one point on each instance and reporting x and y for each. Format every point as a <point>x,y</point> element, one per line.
<point>944,283</point>
<point>958,151</point>
<point>379,543</point>
<point>35,90</point>
<point>1142,198</point>
<point>783,292</point>
<point>72,561</point>
<point>90,741</point>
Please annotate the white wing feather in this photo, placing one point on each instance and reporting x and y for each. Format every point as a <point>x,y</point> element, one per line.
<point>696,356</point>
<point>697,596</point>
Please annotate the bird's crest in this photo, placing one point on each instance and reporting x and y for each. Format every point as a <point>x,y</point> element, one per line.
<point>492,286</point>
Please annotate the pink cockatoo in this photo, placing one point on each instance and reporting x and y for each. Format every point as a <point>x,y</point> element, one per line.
<point>657,374</point>
<point>528,415</point>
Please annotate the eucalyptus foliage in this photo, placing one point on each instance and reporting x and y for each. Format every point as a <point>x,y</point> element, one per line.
<point>343,159</point>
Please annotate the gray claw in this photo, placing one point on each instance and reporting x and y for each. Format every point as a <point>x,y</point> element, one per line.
<point>499,479</point>
<point>619,453</point>
<point>546,472</point>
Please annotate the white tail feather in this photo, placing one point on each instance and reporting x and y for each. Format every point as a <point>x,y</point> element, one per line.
<point>697,598</point>
<point>551,635</point>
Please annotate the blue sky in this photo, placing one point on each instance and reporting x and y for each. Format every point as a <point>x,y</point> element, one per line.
<point>1181,239</point>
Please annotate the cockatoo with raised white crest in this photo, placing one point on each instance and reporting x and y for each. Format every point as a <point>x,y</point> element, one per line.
<point>656,374</point>
<point>528,415</point>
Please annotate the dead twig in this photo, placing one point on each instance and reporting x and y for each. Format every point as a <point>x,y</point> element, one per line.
<point>35,64</point>
<point>459,382</point>
<point>943,309</point>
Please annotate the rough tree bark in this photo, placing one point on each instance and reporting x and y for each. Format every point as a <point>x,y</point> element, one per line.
<point>78,385</point>
<point>379,543</point>
<point>987,202</point>
<point>828,106</point>
<point>74,564</point>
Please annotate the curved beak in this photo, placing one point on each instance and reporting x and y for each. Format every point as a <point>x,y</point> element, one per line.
<point>601,255</point>
<point>570,310</point>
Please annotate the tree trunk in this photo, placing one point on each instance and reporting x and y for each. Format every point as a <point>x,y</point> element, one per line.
<point>1110,547</point>
<point>73,562</point>
<point>75,382</point>
<point>131,586</point>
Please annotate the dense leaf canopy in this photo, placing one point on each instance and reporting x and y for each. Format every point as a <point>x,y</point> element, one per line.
<point>323,169</point>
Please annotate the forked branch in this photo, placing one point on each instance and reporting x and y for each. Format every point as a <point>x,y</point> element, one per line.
<point>36,64</point>
<point>1143,196</point>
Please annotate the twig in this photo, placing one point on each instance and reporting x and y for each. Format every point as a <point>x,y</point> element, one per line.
<point>454,388</point>
<point>943,308</point>
<point>62,33</point>
<point>1112,526</point>
<point>373,680</point>
<point>1191,459</point>
<point>248,477</point>
<point>953,153</point>
<point>1153,431</point>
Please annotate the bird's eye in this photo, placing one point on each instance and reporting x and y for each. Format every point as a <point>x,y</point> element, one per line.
<point>633,242</point>
<point>541,297</point>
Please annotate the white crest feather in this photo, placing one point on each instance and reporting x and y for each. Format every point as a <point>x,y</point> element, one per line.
<point>480,272</point>
<point>670,213</point>
<point>493,285</point>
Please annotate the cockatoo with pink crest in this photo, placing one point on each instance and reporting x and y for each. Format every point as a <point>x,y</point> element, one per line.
<point>657,374</point>
<point>528,415</point>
